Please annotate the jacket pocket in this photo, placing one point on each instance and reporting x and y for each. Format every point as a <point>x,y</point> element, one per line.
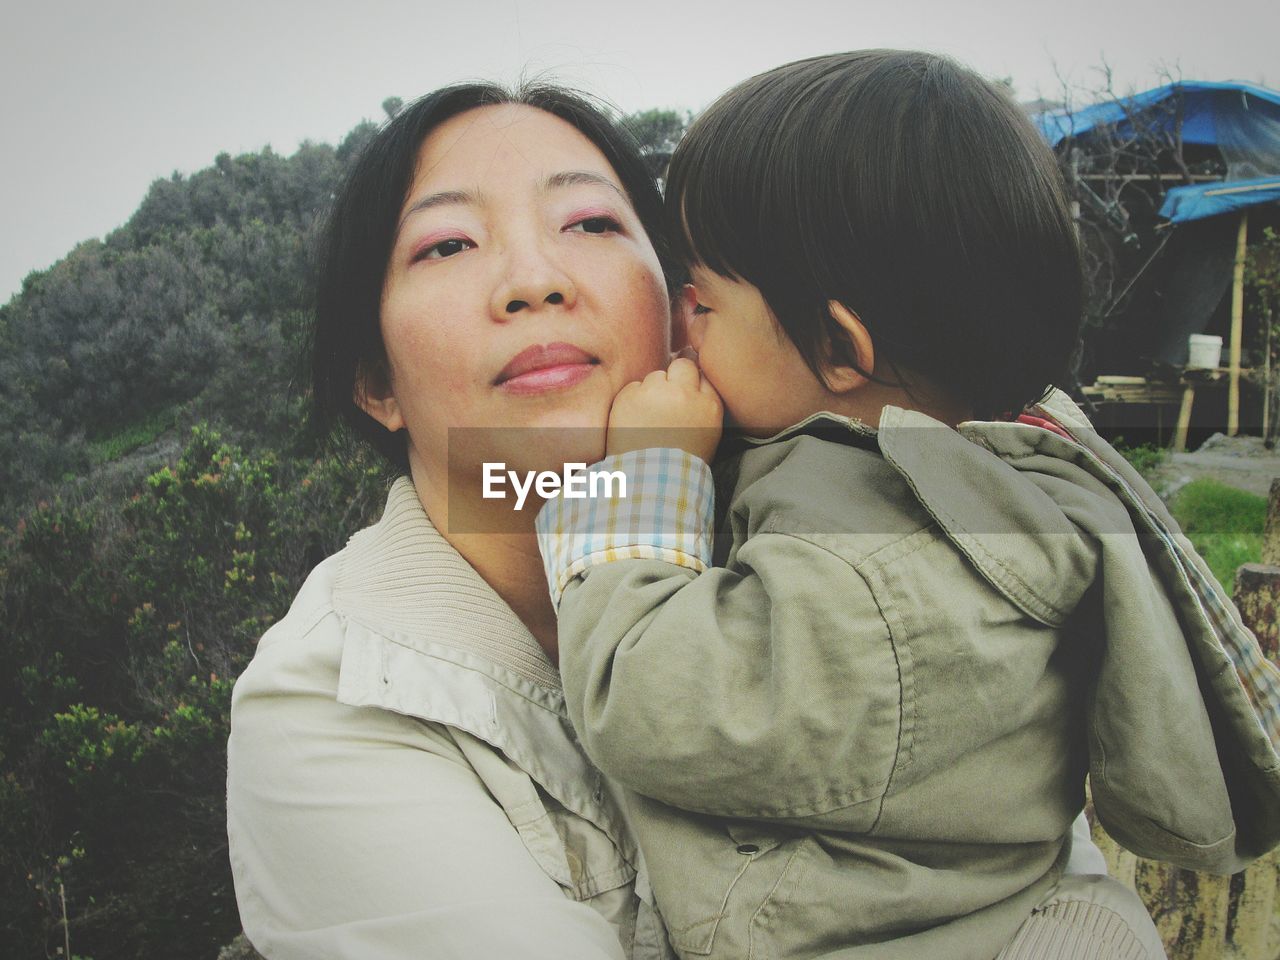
<point>713,878</point>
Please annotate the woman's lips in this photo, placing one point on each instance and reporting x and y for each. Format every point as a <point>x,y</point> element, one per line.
<point>539,368</point>
<point>549,378</point>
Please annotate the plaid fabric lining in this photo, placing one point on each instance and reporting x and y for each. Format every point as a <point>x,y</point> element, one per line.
<point>667,514</point>
<point>1259,677</point>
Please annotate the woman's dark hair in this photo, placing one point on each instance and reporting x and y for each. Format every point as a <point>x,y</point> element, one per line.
<point>906,187</point>
<point>358,235</point>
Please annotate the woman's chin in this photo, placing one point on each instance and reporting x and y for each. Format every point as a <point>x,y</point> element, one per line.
<point>572,433</point>
<point>498,478</point>
<point>531,449</point>
<point>549,448</point>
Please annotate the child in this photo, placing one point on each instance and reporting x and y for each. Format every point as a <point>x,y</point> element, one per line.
<point>866,733</point>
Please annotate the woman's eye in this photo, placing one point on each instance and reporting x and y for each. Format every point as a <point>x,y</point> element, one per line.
<point>443,249</point>
<point>699,308</point>
<point>596,225</point>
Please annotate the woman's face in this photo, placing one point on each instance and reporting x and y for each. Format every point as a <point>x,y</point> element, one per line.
<point>522,292</point>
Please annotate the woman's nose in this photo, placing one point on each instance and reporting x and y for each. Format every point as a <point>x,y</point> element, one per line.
<point>533,282</point>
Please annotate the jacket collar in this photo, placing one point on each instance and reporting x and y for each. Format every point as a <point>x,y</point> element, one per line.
<point>953,473</point>
<point>401,577</point>
<point>824,424</point>
<point>1035,540</point>
<point>426,636</point>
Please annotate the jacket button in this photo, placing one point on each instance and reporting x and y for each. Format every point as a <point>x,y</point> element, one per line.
<point>748,848</point>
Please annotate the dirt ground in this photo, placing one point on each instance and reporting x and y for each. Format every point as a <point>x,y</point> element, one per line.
<point>1241,462</point>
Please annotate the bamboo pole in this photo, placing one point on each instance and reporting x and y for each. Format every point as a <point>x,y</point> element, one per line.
<point>1184,418</point>
<point>1266,382</point>
<point>1237,326</point>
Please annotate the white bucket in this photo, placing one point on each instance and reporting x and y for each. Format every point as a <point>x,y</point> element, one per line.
<point>1205,351</point>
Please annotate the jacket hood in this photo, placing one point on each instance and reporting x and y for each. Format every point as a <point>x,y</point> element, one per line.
<point>1184,709</point>
<point>1022,508</point>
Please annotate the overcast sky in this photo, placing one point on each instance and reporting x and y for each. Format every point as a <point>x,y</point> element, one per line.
<point>99,99</point>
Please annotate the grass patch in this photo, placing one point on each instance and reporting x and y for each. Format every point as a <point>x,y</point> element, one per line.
<point>135,435</point>
<point>1224,524</point>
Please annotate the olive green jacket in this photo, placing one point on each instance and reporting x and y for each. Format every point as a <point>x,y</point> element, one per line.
<point>867,733</point>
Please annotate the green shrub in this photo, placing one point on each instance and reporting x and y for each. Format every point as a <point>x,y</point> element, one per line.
<point>99,751</point>
<point>125,626</point>
<point>1145,457</point>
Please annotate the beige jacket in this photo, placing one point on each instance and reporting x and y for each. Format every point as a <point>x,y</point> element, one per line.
<point>403,782</point>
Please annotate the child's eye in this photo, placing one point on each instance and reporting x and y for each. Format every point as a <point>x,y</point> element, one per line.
<point>597,224</point>
<point>699,308</point>
<point>442,249</point>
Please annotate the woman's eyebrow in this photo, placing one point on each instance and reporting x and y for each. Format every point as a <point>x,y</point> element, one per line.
<point>441,199</point>
<point>577,178</point>
<point>566,178</point>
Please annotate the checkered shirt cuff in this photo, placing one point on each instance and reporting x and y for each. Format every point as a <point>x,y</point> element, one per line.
<point>667,514</point>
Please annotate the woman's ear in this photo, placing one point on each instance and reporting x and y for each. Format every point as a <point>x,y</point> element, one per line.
<point>855,345</point>
<point>373,395</point>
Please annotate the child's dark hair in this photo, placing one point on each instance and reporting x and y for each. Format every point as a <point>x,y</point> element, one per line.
<point>906,187</point>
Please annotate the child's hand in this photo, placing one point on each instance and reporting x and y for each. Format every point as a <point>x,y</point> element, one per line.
<point>676,407</point>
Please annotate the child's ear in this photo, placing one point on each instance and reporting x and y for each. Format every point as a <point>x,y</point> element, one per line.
<point>681,316</point>
<point>854,344</point>
<point>373,395</point>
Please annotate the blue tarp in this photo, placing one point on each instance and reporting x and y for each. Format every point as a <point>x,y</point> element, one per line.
<point>1241,120</point>
<point>1201,200</point>
<point>1204,105</point>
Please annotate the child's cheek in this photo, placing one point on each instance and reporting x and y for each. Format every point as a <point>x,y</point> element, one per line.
<point>697,329</point>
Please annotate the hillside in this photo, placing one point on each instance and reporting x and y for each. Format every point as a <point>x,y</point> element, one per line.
<point>161,501</point>
<point>191,311</point>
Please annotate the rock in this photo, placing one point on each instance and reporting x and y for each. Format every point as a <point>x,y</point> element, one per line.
<point>1215,442</point>
<point>239,949</point>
